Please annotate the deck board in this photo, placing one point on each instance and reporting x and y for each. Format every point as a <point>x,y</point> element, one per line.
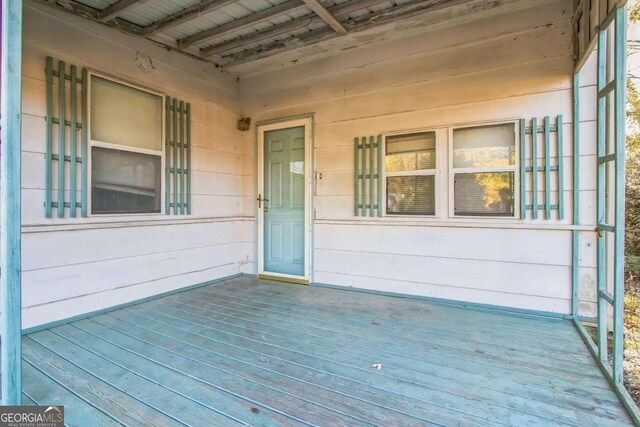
<point>254,352</point>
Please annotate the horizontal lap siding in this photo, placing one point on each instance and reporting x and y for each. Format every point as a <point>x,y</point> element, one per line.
<point>74,266</point>
<point>514,65</point>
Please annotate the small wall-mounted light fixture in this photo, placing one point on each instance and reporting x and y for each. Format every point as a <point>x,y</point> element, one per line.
<point>244,123</point>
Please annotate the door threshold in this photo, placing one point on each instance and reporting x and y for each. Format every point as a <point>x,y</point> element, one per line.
<point>300,281</point>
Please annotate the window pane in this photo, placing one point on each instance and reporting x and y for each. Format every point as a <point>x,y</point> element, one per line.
<point>484,146</point>
<point>411,152</point>
<point>124,115</point>
<point>124,182</point>
<point>484,194</point>
<point>411,195</point>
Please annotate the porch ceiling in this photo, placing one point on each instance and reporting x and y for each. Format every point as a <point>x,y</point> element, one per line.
<point>252,352</point>
<point>234,32</point>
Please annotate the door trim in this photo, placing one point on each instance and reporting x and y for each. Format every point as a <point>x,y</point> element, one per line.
<point>261,128</point>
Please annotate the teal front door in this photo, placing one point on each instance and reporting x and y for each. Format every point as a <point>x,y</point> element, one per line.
<point>284,205</point>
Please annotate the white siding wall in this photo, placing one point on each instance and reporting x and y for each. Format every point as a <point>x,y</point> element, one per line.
<point>73,266</point>
<point>515,65</point>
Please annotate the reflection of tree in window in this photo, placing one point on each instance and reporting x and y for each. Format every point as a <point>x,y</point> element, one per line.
<point>481,154</point>
<point>485,193</point>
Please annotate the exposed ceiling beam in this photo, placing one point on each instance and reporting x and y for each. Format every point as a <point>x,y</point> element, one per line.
<point>403,11</point>
<point>185,15</point>
<point>110,12</point>
<point>90,13</point>
<point>340,11</point>
<point>326,16</point>
<point>258,36</point>
<point>239,24</point>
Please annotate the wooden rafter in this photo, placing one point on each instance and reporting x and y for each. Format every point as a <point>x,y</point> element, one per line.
<point>91,14</point>
<point>239,24</point>
<point>110,12</point>
<point>326,16</point>
<point>404,11</point>
<point>340,11</point>
<point>185,15</point>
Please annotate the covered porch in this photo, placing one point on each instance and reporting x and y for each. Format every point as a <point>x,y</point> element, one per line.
<point>256,352</point>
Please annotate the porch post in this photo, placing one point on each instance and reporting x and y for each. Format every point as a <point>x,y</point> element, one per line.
<point>10,122</point>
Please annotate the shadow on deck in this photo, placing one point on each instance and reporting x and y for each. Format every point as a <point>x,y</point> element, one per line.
<point>248,351</point>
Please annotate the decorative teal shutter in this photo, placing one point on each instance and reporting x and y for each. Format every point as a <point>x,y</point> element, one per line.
<point>367,178</point>
<point>177,157</point>
<point>533,133</point>
<point>55,157</point>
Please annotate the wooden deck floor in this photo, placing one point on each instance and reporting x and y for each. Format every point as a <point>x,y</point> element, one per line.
<point>253,352</point>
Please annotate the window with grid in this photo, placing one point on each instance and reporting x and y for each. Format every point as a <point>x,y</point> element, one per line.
<point>484,169</point>
<point>410,169</point>
<point>126,142</point>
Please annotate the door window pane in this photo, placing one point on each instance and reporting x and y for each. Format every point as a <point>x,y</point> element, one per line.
<point>484,194</point>
<point>484,146</point>
<point>411,152</point>
<point>125,115</point>
<point>124,182</point>
<point>411,195</point>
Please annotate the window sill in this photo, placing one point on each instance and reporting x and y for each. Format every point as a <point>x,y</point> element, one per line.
<point>492,223</point>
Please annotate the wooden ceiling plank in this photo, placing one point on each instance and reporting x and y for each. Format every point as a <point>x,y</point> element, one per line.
<point>341,10</point>
<point>404,11</point>
<point>121,6</point>
<point>91,14</point>
<point>326,16</point>
<point>185,15</point>
<point>241,23</point>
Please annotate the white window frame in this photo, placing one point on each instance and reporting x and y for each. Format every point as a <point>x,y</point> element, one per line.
<point>515,168</point>
<point>97,143</point>
<point>418,172</point>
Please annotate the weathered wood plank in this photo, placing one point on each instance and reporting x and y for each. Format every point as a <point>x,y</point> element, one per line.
<point>37,351</point>
<point>44,391</point>
<point>172,378</point>
<point>326,16</point>
<point>475,333</point>
<point>117,8</point>
<point>285,325</point>
<point>311,352</point>
<point>298,409</point>
<point>533,398</point>
<point>185,15</point>
<point>164,401</point>
<point>229,358</point>
<point>302,356</point>
<point>359,389</point>
<point>241,23</point>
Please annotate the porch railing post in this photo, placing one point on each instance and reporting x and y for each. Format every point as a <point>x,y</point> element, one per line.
<point>10,280</point>
<point>575,268</point>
